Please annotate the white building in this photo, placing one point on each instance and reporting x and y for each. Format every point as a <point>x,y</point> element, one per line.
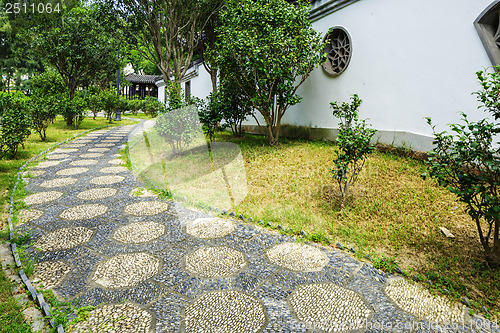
<point>409,59</point>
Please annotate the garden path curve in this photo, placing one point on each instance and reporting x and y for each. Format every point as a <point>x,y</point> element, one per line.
<point>153,265</point>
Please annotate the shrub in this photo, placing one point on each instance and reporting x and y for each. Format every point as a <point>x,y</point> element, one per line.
<point>49,83</point>
<point>124,104</point>
<point>235,106</point>
<point>353,145</point>
<point>74,109</point>
<point>178,121</point>
<point>211,115</point>
<point>15,122</point>
<point>43,112</point>
<point>467,163</point>
<point>79,106</point>
<point>135,105</point>
<point>178,127</point>
<point>48,91</point>
<point>229,104</point>
<point>93,100</point>
<point>152,106</point>
<point>109,103</point>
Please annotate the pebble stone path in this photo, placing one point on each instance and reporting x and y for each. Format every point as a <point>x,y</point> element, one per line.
<point>150,265</point>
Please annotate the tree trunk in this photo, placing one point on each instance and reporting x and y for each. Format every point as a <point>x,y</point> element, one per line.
<point>69,115</point>
<point>493,255</point>
<point>493,258</point>
<point>274,133</point>
<point>69,119</point>
<point>213,78</point>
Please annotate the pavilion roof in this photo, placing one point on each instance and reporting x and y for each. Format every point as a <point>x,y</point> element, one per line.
<point>143,79</point>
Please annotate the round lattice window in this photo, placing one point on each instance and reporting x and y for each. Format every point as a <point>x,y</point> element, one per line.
<point>338,49</point>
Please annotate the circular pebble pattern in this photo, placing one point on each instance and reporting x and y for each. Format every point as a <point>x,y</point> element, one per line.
<point>106,180</point>
<point>58,182</point>
<point>65,150</point>
<point>117,318</point>
<point>329,307</point>
<point>34,173</point>
<point>47,164</point>
<point>115,169</point>
<point>51,273</point>
<point>116,161</point>
<point>83,141</point>
<point>91,155</point>
<point>99,149</point>
<point>139,232</point>
<point>210,228</point>
<point>83,212</point>
<point>28,215</point>
<point>75,145</point>
<point>97,193</point>
<point>42,197</point>
<point>146,208</point>
<point>109,144</point>
<point>71,171</point>
<point>225,312</point>
<point>420,302</point>
<point>83,162</point>
<point>63,239</point>
<point>126,270</point>
<point>297,257</point>
<point>57,156</point>
<point>215,261</point>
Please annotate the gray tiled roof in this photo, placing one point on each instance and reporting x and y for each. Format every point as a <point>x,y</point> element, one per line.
<point>143,79</point>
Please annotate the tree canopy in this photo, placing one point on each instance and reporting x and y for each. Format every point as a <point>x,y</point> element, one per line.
<point>165,32</point>
<point>17,60</point>
<point>78,44</point>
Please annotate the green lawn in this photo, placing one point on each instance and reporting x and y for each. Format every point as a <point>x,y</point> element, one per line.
<point>11,318</point>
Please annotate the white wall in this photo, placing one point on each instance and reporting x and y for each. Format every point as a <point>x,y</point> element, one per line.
<point>201,85</point>
<point>161,90</point>
<point>411,59</point>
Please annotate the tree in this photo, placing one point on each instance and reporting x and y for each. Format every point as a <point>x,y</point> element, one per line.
<point>78,44</point>
<point>269,48</point>
<point>467,163</point>
<point>208,49</point>
<point>353,143</point>
<point>165,32</point>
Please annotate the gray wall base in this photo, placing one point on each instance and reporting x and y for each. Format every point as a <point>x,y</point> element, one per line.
<point>401,139</point>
